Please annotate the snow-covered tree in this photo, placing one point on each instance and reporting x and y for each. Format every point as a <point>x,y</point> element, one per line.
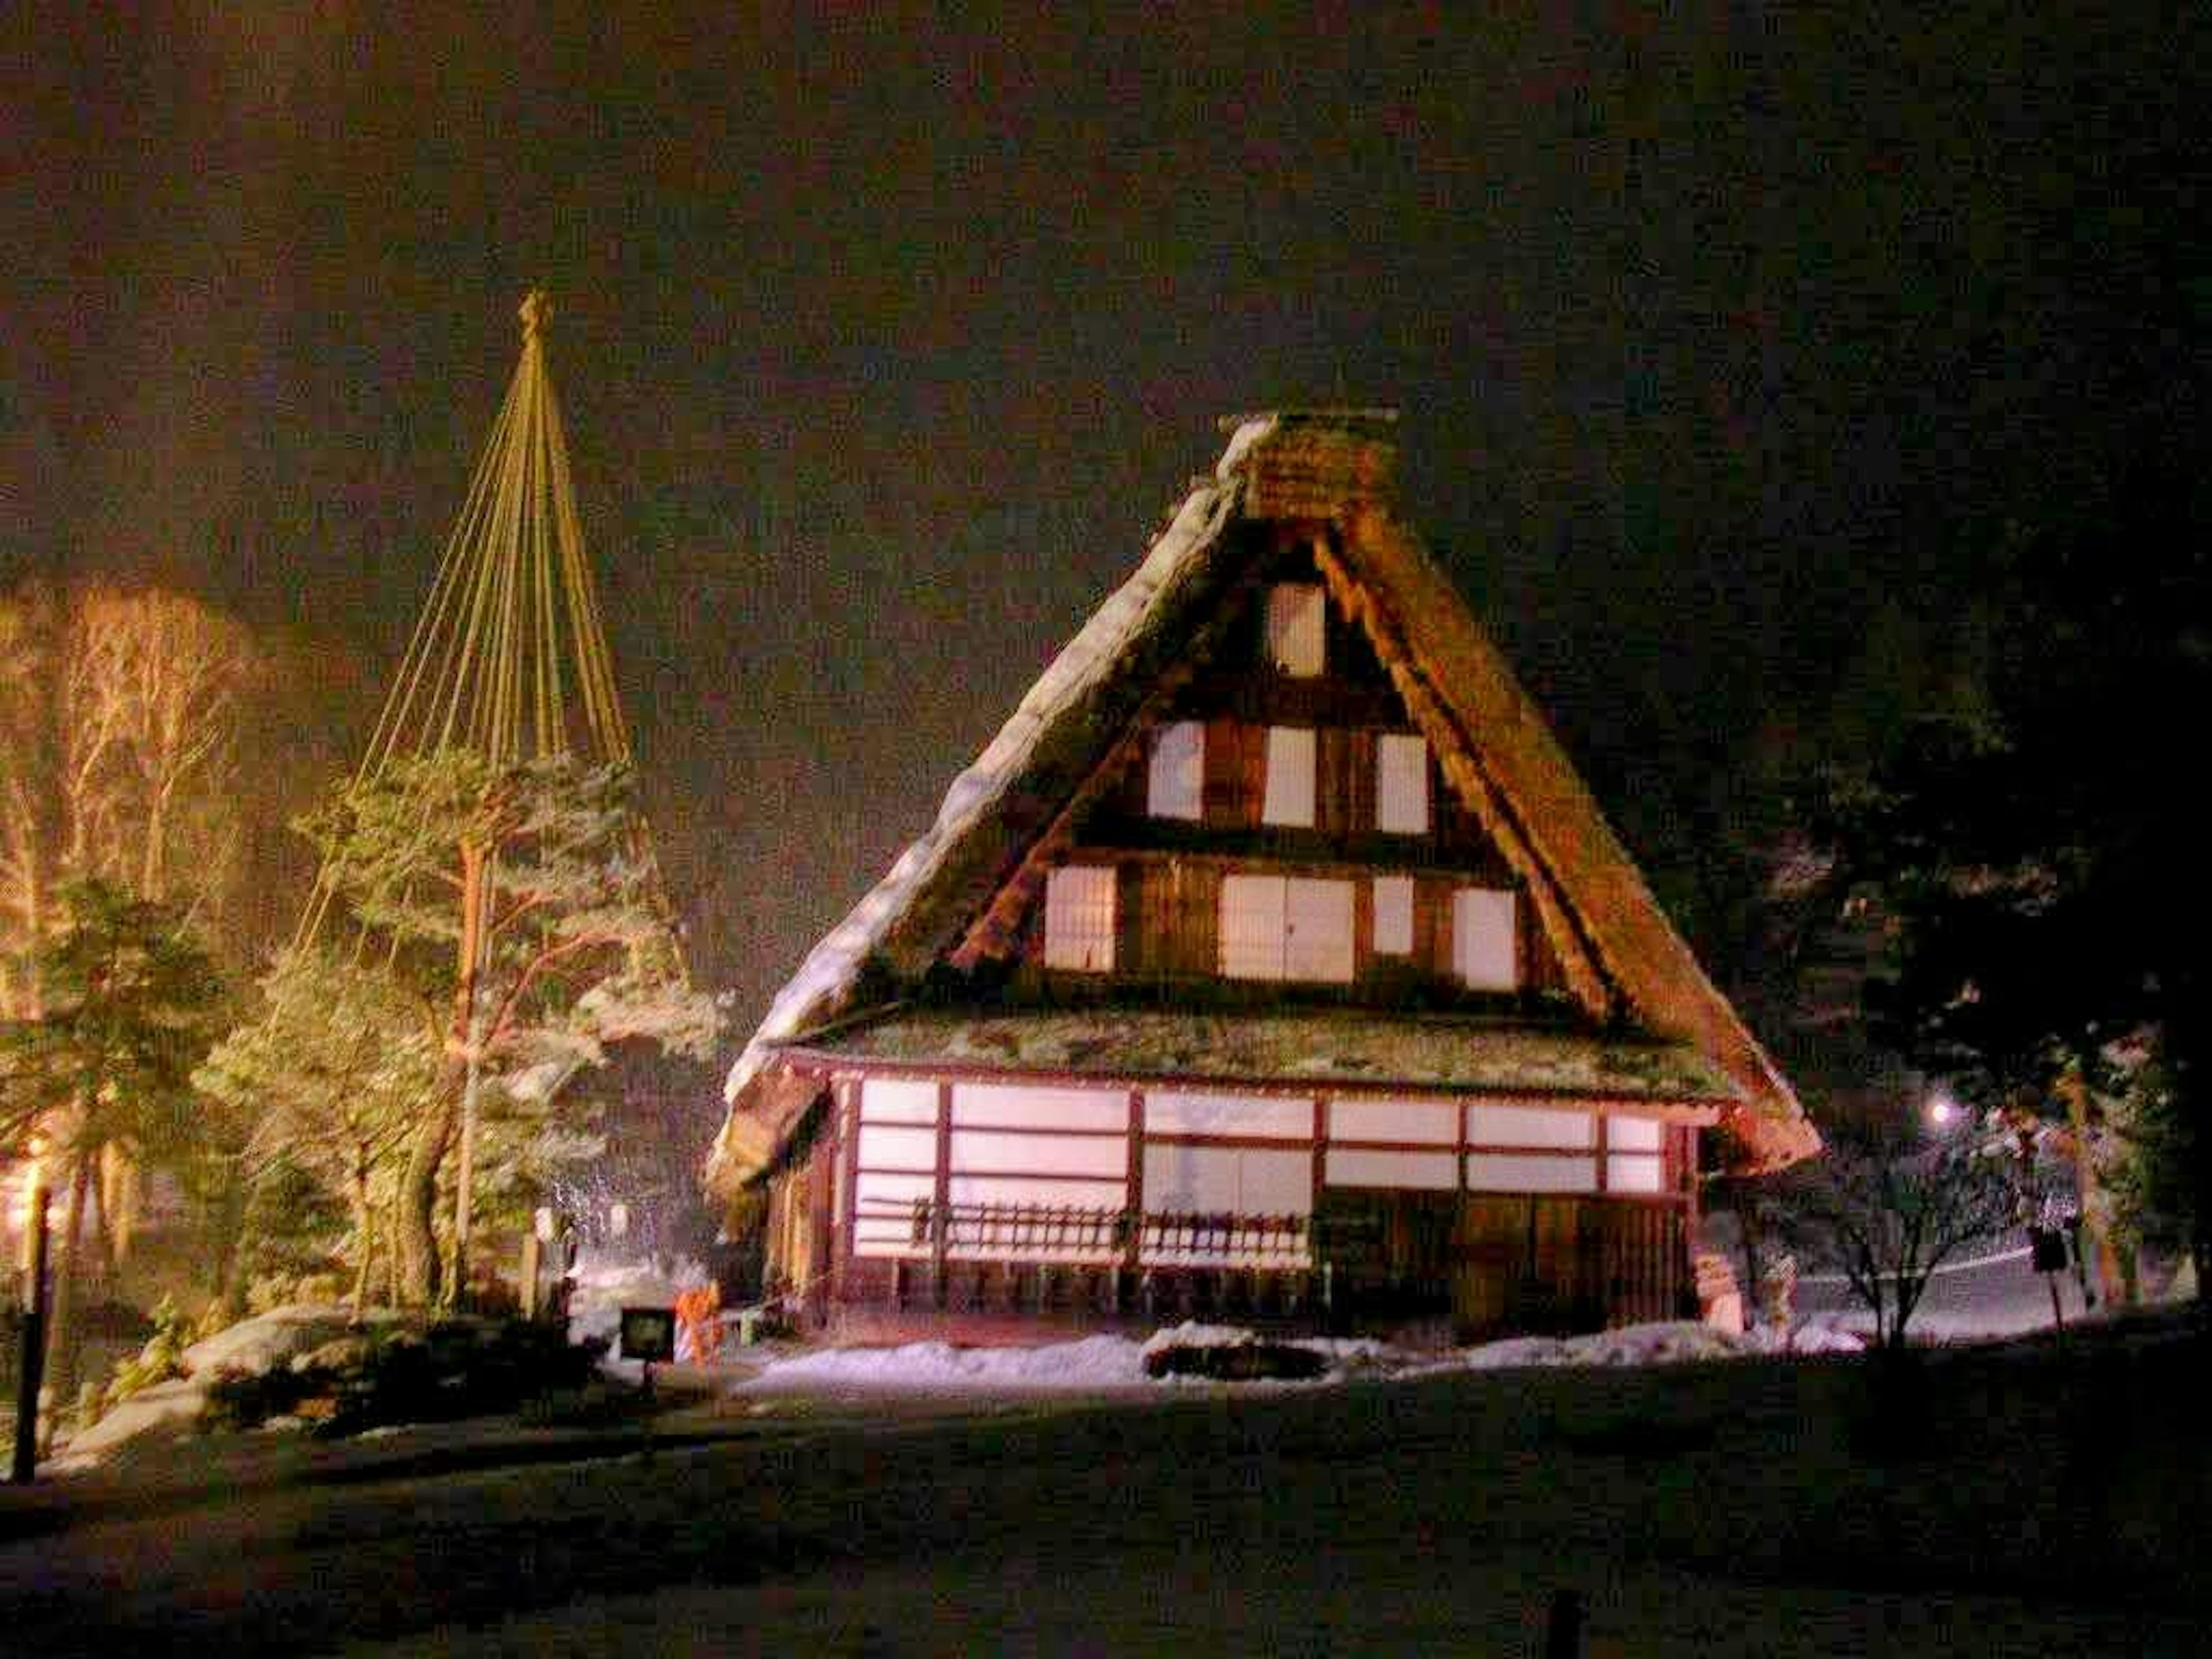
<point>328,1080</point>
<point>523,899</point>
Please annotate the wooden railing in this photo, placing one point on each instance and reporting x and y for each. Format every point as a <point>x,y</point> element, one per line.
<point>1016,1230</point>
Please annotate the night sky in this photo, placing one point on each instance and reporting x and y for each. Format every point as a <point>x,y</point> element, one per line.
<point>884,347</point>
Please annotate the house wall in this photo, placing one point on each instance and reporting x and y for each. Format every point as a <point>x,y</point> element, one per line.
<point>936,1190</point>
<point>1259,770</point>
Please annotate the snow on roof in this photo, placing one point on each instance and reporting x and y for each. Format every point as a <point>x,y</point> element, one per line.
<point>1323,1045</point>
<point>1096,656</point>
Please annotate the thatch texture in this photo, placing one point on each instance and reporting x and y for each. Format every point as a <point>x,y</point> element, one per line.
<point>1335,1048</point>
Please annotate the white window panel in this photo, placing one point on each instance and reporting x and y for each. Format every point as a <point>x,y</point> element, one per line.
<point>885,1146</point>
<point>1530,1172</point>
<point>878,1193</point>
<point>1227,1180</point>
<point>1401,785</point>
<point>1435,1121</point>
<point>1393,915</point>
<point>1274,1183</point>
<point>1483,951</point>
<point>1081,1193</point>
<point>1079,918</point>
<point>1186,1178</point>
<point>1633,1172</point>
<point>1633,1134</point>
<point>1317,931</point>
<point>1421,1171</point>
<point>1522,1125</point>
<point>1176,787</point>
<point>1021,1106</point>
<point>1290,798</point>
<point>898,1100</point>
<point>997,1151</point>
<point>1296,615</point>
<point>1252,926</point>
<point>1171,1114</point>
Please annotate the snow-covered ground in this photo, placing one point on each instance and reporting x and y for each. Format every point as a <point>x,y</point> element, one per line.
<point>1113,1361</point>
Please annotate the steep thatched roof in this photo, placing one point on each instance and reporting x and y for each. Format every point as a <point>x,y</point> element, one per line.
<point>1004,812</point>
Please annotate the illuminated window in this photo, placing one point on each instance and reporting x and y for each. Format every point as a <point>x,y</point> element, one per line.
<point>1252,926</point>
<point>1523,1150</point>
<point>1290,799</point>
<point>1277,928</point>
<point>1294,630</point>
<point>1079,918</point>
<point>1483,953</point>
<point>1393,915</point>
<point>1401,785</point>
<point>1177,784</point>
<point>1632,1148</point>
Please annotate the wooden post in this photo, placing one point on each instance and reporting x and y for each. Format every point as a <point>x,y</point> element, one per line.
<point>33,1355</point>
<point>532,1251</point>
<point>471,958</point>
<point>941,1234</point>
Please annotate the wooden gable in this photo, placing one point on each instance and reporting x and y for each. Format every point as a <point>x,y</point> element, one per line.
<point>1171,867</point>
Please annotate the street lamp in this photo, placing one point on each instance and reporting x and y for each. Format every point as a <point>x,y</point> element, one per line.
<point>1944,1108</point>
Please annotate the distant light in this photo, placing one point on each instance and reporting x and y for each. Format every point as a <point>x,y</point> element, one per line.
<point>1942,1110</point>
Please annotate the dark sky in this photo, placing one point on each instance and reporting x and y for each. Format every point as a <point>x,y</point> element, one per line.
<point>885,345</point>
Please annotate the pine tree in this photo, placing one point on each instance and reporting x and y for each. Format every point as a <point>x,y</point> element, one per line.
<point>520,899</point>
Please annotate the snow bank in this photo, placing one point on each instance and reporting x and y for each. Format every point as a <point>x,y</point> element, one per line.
<point>1096,1362</point>
<point>1667,1343</point>
<point>1099,1362</point>
<point>267,1340</point>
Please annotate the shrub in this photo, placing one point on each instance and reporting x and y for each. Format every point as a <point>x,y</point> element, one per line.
<point>409,1374</point>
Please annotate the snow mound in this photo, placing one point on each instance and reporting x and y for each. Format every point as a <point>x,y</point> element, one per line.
<point>1665,1343</point>
<point>1192,1335</point>
<point>1099,1362</point>
<point>1096,1362</point>
<point>269,1339</point>
<point>171,1409</point>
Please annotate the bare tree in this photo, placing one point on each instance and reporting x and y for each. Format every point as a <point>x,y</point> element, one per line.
<point>1887,1213</point>
<point>152,687</point>
<point>119,715</point>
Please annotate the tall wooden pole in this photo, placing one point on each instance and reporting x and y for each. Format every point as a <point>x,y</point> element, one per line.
<point>473,874</point>
<point>33,1358</point>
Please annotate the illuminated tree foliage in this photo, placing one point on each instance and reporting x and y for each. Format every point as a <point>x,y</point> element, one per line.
<point>327,1084</point>
<point>519,900</point>
<point>131,1005</point>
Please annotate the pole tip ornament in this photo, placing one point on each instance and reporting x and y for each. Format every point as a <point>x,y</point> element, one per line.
<point>536,311</point>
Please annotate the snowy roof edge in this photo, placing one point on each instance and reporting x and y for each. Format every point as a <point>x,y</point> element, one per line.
<point>833,966</point>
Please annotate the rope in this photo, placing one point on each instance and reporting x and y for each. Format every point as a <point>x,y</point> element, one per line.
<point>509,656</point>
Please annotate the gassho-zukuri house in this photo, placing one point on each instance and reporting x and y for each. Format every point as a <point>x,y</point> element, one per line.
<point>1274,959</point>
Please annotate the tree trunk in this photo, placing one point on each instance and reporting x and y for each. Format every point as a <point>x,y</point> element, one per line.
<point>417,1238</point>
<point>392,1286</point>
<point>364,1232</point>
<point>226,1215</point>
<point>2103,1264</point>
<point>120,1193</point>
<point>63,1340</point>
<point>1745,1203</point>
